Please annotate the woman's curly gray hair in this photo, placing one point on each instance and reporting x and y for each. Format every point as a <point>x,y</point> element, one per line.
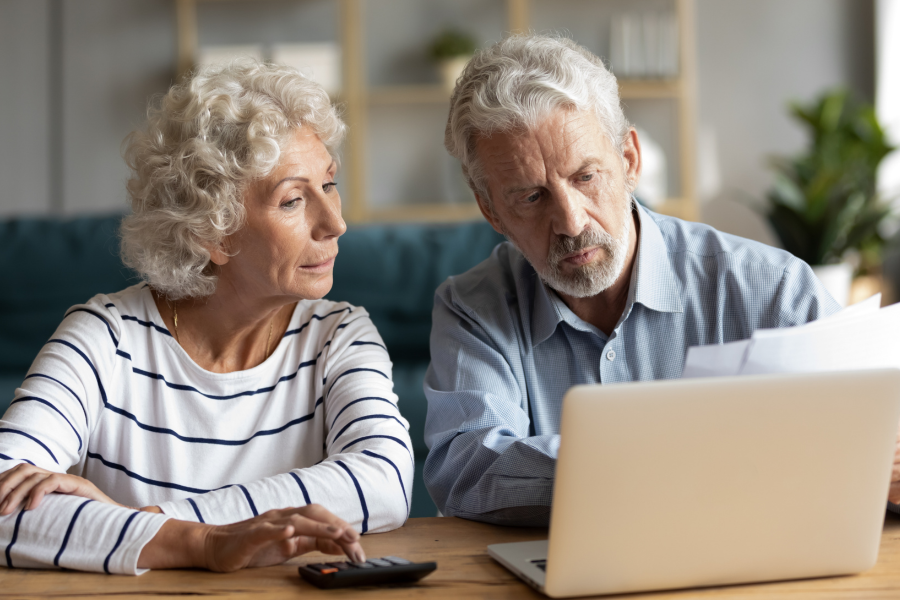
<point>515,83</point>
<point>204,142</point>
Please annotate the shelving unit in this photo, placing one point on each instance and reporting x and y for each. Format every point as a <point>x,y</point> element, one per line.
<point>359,99</point>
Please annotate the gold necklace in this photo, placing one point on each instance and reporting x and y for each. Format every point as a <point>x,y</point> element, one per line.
<point>175,321</point>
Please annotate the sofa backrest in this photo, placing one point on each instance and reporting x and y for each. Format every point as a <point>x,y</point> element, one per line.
<point>48,264</point>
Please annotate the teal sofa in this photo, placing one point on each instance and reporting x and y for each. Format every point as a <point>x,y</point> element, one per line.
<point>47,265</point>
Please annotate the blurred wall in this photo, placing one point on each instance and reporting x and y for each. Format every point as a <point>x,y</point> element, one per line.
<point>755,56</point>
<point>77,75</point>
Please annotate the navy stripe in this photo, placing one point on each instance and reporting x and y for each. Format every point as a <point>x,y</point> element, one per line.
<point>369,437</point>
<point>350,372</point>
<point>188,388</point>
<point>368,344</point>
<point>147,324</point>
<point>69,531</point>
<point>302,487</point>
<point>249,500</point>
<point>123,354</point>
<point>399,477</point>
<point>154,429</point>
<point>118,541</point>
<point>363,419</point>
<point>42,401</point>
<point>362,498</point>
<point>147,480</point>
<point>5,457</point>
<point>31,437</point>
<point>65,386</point>
<point>15,536</point>
<point>105,322</point>
<point>109,305</point>
<point>305,325</point>
<point>87,360</point>
<point>359,400</point>
<point>196,509</point>
<point>215,441</point>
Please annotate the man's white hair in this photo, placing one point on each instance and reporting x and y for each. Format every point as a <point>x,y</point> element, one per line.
<point>515,83</point>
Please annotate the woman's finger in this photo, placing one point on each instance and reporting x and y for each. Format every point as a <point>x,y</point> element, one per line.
<point>16,496</point>
<point>15,476</point>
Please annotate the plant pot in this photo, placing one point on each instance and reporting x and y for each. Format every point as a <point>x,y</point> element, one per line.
<point>836,279</point>
<point>451,69</point>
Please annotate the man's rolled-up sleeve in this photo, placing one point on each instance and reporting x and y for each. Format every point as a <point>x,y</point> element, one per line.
<point>483,462</point>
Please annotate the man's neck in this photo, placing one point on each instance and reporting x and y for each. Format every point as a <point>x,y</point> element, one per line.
<point>604,310</point>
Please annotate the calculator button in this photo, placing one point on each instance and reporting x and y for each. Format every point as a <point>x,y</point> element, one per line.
<point>380,562</point>
<point>397,560</point>
<point>359,565</point>
<point>316,566</point>
<point>340,566</point>
<point>328,570</point>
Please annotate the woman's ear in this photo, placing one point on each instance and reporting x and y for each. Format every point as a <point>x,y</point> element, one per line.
<point>218,254</point>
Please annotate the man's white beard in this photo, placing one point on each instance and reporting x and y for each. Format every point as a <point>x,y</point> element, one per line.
<point>592,278</point>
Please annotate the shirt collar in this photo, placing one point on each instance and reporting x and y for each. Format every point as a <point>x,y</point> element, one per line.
<point>653,284</point>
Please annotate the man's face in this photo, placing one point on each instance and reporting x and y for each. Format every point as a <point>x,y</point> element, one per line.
<point>562,194</point>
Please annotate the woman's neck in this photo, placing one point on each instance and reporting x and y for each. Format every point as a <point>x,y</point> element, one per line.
<point>225,334</point>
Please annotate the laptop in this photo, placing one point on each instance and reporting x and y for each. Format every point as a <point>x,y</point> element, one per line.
<point>705,482</point>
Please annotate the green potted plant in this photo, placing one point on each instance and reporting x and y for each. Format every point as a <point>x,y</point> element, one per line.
<point>451,50</point>
<point>823,204</point>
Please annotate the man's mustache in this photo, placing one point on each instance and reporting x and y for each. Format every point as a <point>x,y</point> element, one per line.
<point>565,244</point>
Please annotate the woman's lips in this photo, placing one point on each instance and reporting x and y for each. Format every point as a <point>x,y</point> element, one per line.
<point>321,267</point>
<point>582,257</point>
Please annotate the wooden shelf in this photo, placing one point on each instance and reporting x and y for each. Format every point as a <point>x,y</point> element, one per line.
<point>427,212</point>
<point>649,88</point>
<point>409,94</point>
<point>358,100</point>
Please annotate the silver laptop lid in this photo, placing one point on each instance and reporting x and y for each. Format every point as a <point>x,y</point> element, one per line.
<point>715,481</point>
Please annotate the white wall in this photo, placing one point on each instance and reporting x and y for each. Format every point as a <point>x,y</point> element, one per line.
<point>755,56</point>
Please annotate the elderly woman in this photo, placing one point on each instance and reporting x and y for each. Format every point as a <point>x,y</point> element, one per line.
<point>194,419</point>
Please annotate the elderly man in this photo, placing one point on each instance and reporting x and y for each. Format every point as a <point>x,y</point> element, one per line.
<point>590,288</point>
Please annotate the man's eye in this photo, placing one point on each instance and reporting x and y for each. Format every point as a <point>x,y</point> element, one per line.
<point>533,197</point>
<point>587,177</point>
<point>329,187</point>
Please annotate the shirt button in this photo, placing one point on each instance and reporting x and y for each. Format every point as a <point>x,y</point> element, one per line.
<point>611,355</point>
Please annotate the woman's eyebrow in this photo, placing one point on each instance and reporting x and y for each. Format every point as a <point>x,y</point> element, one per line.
<point>303,179</point>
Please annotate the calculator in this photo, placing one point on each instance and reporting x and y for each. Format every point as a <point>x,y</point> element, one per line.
<point>389,569</point>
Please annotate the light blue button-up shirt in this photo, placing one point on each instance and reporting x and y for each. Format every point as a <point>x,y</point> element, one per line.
<point>505,348</point>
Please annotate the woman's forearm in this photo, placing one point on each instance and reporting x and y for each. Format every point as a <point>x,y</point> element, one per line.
<point>177,545</point>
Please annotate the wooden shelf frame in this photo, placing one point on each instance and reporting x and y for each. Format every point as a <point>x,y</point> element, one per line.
<point>358,98</point>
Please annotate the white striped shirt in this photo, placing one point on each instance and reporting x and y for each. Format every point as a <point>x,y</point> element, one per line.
<point>113,397</point>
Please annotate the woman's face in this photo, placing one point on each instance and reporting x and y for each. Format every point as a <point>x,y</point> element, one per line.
<point>287,246</point>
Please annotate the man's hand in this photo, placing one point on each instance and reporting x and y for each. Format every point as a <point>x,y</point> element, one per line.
<point>269,539</point>
<point>26,485</point>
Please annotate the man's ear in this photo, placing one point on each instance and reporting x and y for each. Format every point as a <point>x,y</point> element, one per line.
<point>631,156</point>
<point>485,207</point>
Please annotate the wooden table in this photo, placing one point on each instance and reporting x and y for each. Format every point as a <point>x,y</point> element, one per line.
<point>464,571</point>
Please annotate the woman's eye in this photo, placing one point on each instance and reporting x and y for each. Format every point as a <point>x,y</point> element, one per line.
<point>290,203</point>
<point>329,187</point>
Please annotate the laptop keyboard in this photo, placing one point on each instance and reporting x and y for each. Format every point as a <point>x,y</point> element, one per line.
<point>540,563</point>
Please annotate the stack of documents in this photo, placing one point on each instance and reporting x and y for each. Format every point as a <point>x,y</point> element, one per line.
<point>862,336</point>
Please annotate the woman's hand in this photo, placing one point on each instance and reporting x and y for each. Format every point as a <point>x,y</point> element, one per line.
<point>26,485</point>
<point>269,539</point>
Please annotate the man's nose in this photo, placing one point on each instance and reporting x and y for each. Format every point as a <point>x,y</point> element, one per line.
<point>569,215</point>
